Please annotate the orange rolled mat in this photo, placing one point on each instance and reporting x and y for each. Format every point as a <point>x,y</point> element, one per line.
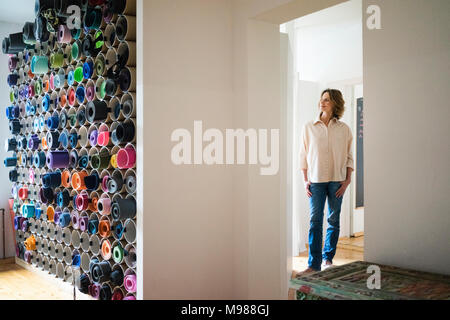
<point>106,250</point>
<point>30,243</point>
<point>44,143</point>
<point>93,204</point>
<point>50,213</point>
<point>78,180</point>
<point>65,179</point>
<point>63,100</point>
<point>104,228</point>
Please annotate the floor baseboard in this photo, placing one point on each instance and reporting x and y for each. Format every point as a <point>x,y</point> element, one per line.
<point>8,261</point>
<point>64,286</point>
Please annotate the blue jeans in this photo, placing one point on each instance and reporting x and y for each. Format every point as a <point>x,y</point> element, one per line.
<point>320,192</point>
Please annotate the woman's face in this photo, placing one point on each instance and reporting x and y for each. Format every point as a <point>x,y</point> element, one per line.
<point>326,105</point>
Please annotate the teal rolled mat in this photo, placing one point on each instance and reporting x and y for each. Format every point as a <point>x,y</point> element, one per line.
<point>39,65</point>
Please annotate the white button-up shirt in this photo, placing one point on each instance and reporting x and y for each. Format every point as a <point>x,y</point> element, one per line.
<point>326,152</point>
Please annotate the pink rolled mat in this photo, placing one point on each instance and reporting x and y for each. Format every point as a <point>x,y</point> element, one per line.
<point>130,283</point>
<point>75,218</point>
<point>31,175</point>
<point>12,63</point>
<point>105,183</point>
<point>103,138</point>
<point>52,81</point>
<point>106,204</point>
<point>64,34</point>
<point>94,290</point>
<point>90,93</point>
<point>126,158</point>
<point>82,201</point>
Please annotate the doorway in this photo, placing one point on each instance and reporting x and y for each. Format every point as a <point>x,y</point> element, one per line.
<point>326,52</point>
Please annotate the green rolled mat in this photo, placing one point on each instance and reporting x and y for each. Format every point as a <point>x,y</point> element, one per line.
<point>11,96</point>
<point>75,51</point>
<point>76,33</point>
<point>99,39</point>
<point>99,67</point>
<point>57,60</point>
<point>100,161</point>
<point>103,90</point>
<point>38,87</point>
<point>78,74</point>
<point>117,254</point>
<point>73,119</point>
<point>16,205</point>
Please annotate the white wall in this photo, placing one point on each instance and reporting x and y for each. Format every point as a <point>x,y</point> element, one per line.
<point>209,232</point>
<point>407,148</point>
<point>5,193</point>
<point>185,213</point>
<point>18,11</point>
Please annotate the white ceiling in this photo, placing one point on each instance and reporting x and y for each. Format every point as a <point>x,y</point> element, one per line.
<point>17,11</point>
<point>350,11</point>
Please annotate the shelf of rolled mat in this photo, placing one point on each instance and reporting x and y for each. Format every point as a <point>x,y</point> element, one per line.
<point>349,282</point>
<point>62,285</point>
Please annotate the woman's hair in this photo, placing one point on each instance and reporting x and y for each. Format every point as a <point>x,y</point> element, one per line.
<point>338,101</point>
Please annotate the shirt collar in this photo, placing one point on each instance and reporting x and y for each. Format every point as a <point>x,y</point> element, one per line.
<point>319,120</point>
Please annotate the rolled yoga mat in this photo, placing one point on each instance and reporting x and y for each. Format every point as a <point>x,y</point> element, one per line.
<point>126,158</point>
<point>97,111</point>
<point>58,159</point>
<point>122,6</point>
<point>39,65</point>
<point>100,271</point>
<point>84,283</point>
<point>130,283</point>
<point>123,209</point>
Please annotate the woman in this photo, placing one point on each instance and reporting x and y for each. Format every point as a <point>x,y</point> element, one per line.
<point>326,161</point>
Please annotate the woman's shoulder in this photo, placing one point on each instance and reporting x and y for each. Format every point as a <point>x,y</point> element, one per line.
<point>344,126</point>
<point>308,124</point>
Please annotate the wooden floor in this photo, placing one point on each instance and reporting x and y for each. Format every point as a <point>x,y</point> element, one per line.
<point>17,283</point>
<point>349,250</point>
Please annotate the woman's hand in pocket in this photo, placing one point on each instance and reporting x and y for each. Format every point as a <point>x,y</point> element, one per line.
<point>341,190</point>
<point>308,191</point>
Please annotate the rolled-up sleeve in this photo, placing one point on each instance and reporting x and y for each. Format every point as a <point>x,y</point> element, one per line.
<point>350,163</point>
<point>303,150</point>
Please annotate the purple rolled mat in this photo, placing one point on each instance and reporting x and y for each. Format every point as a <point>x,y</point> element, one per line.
<point>83,223</point>
<point>75,219</point>
<point>93,138</point>
<point>21,222</point>
<point>17,222</point>
<point>24,225</point>
<point>34,142</point>
<point>90,93</point>
<point>58,159</point>
<point>12,63</point>
<point>58,213</point>
<point>94,290</point>
<point>27,256</point>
